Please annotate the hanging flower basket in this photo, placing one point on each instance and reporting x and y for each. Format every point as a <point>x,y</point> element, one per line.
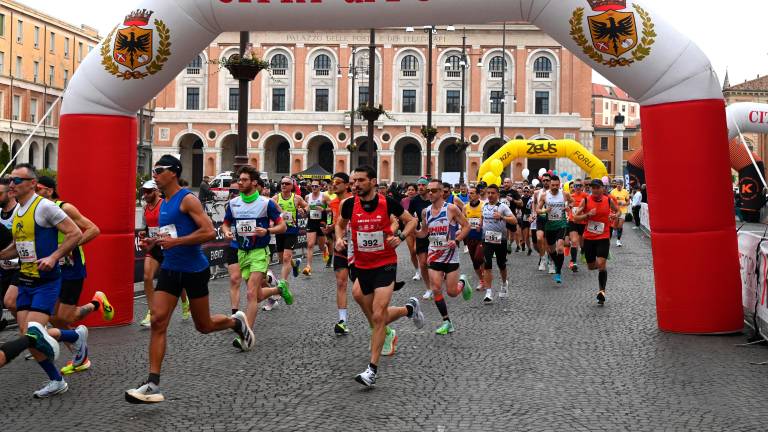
<point>244,68</point>
<point>372,113</point>
<point>352,148</point>
<point>461,146</point>
<point>429,132</point>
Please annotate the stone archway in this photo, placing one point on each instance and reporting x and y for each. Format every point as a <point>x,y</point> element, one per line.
<point>449,157</point>
<point>321,151</point>
<point>49,157</point>
<point>228,151</point>
<point>191,151</point>
<point>361,155</point>
<point>408,159</point>
<point>277,156</point>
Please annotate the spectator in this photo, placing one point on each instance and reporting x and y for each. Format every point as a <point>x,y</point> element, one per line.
<point>637,200</point>
<point>205,189</point>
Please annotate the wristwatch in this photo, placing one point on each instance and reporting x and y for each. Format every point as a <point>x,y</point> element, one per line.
<point>400,235</point>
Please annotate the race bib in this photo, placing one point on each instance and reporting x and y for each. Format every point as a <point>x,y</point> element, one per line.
<point>246,226</point>
<point>474,223</point>
<point>493,237</point>
<point>370,241</point>
<point>168,231</point>
<point>315,214</point>
<point>595,227</point>
<point>438,241</point>
<point>26,251</point>
<point>288,218</point>
<point>9,264</point>
<point>555,214</point>
<point>153,231</point>
<point>272,240</point>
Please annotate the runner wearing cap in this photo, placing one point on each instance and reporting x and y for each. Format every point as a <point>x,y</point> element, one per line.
<point>621,196</point>
<point>73,273</point>
<point>596,211</point>
<point>184,227</point>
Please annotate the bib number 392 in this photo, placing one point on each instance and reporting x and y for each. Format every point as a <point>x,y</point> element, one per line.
<point>370,241</point>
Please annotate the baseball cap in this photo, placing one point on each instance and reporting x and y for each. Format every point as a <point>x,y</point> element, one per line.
<point>149,185</point>
<point>422,181</point>
<point>596,183</point>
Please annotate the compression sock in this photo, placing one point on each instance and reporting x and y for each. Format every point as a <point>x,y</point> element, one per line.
<point>15,347</point>
<point>343,315</point>
<point>559,259</point>
<point>51,370</point>
<point>441,306</point>
<point>619,232</point>
<point>69,336</point>
<point>602,279</point>
<point>574,254</point>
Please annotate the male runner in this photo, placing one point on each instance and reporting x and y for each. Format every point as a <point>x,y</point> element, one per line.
<point>9,269</point>
<point>417,205</point>
<point>621,196</point>
<point>410,192</point>
<point>374,243</point>
<point>554,203</point>
<point>596,211</point>
<point>541,222</point>
<point>184,227</point>
<point>512,199</point>
<point>474,240</point>
<point>575,226</point>
<point>36,225</point>
<point>463,193</point>
<point>292,206</point>
<point>440,229</point>
<point>318,204</point>
<point>525,219</point>
<point>340,188</point>
<point>255,218</point>
<point>495,218</point>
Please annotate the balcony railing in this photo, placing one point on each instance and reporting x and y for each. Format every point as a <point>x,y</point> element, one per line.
<point>409,73</point>
<point>453,74</point>
<point>543,75</point>
<point>278,72</point>
<point>193,71</point>
<point>322,72</point>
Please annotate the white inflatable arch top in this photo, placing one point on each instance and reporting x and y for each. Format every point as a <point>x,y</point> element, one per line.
<point>747,117</point>
<point>631,45</point>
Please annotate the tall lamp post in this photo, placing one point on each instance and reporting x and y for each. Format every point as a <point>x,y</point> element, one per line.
<point>241,155</point>
<point>353,71</point>
<point>503,81</point>
<point>463,150</point>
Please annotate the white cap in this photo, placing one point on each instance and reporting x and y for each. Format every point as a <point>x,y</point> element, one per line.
<point>149,185</point>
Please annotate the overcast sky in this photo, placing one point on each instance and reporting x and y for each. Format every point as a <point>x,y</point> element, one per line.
<point>732,33</point>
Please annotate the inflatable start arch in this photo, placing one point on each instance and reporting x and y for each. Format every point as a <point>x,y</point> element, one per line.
<point>668,74</point>
<point>545,149</point>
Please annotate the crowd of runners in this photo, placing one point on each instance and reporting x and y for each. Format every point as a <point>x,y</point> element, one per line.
<point>356,223</point>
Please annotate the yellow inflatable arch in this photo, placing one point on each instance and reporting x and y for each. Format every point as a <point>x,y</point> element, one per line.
<point>491,169</point>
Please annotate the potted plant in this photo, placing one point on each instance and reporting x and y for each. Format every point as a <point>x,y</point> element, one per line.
<point>461,145</point>
<point>245,67</point>
<point>352,148</point>
<point>429,132</point>
<point>372,113</point>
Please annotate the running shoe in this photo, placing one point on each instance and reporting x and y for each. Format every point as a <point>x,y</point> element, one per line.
<point>295,263</point>
<point>107,311</point>
<point>574,268</point>
<point>147,321</point>
<point>341,328</point>
<point>488,297</point>
<point>530,251</point>
<point>185,314</point>
<point>367,378</point>
<point>618,243</point>
<point>466,292</point>
<point>270,304</point>
<point>517,249</point>
<point>427,295</point>
<point>271,279</point>
<point>466,249</point>
<point>69,369</point>
<point>542,264</point>
<point>480,285</point>
<point>446,328</point>
<point>307,271</point>
<point>601,298</point>
<point>570,265</point>
<point>326,256</point>
<point>285,293</point>
<point>504,290</point>
<point>417,316</point>
<point>244,331</point>
<point>80,347</point>
<point>417,276</point>
<point>53,388</point>
<point>551,269</point>
<point>390,343</point>
<point>146,393</point>
<point>558,278</point>
<point>43,341</point>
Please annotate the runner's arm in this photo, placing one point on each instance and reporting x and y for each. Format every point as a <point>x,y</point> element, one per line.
<point>275,214</point>
<point>463,223</point>
<point>581,216</point>
<point>89,229</point>
<point>422,232</point>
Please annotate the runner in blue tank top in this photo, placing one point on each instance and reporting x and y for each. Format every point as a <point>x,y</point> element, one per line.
<point>184,227</point>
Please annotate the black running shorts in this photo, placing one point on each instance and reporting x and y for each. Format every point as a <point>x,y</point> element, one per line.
<point>285,241</point>
<point>70,291</point>
<point>173,282</point>
<point>372,279</point>
<point>593,249</point>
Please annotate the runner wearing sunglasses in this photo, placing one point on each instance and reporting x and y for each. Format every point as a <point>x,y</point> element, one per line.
<point>292,206</point>
<point>318,205</point>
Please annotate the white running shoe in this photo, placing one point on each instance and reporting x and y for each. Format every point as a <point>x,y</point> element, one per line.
<point>551,269</point>
<point>147,393</point>
<point>367,378</point>
<point>427,295</point>
<point>542,265</point>
<point>466,249</point>
<point>618,243</point>
<point>51,389</point>
<point>488,297</point>
<point>270,304</point>
<point>504,290</point>
<point>417,276</point>
<point>418,315</point>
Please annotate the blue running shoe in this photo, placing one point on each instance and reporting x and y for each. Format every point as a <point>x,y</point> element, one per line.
<point>558,278</point>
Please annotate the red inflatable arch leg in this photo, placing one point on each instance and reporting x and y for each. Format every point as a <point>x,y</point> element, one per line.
<point>695,254</point>
<point>97,159</point>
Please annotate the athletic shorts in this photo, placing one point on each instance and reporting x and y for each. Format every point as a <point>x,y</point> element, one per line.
<point>512,227</point>
<point>38,297</point>
<point>286,241</point>
<point>155,253</point>
<point>253,261</point>
<point>524,224</point>
<point>7,278</point>
<point>70,291</point>
<point>422,245</point>
<point>372,279</point>
<point>230,255</point>
<point>579,228</point>
<point>475,247</point>
<point>313,226</point>
<point>340,262</point>
<point>554,235</point>
<point>593,249</point>
<point>541,222</point>
<point>500,250</point>
<point>444,267</point>
<point>352,272</point>
<point>173,282</point>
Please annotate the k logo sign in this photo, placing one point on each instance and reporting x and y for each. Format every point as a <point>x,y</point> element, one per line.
<point>748,189</point>
<point>128,52</point>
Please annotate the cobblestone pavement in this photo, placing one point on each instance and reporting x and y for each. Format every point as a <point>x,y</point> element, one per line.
<point>547,358</point>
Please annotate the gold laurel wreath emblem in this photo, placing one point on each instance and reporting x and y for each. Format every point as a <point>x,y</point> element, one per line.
<point>155,66</point>
<point>640,52</point>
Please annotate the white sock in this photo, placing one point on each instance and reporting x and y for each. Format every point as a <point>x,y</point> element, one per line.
<point>343,315</point>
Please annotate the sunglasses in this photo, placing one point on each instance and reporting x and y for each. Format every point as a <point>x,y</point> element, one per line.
<point>287,184</point>
<point>20,180</point>
<point>435,190</point>
<point>315,186</point>
<point>160,169</point>
<point>578,186</point>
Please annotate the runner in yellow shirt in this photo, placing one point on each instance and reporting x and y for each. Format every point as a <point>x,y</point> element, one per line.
<point>621,196</point>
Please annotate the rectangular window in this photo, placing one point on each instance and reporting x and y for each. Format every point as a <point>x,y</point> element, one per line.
<point>625,145</point>
<point>607,106</point>
<point>79,51</point>
<point>51,75</point>
<point>33,111</point>
<point>66,78</point>
<point>607,165</point>
<point>321,100</point>
<point>49,119</point>
<point>52,44</point>
<point>542,102</point>
<point>2,62</point>
<point>66,47</point>
<point>409,101</point>
<point>362,96</point>
<point>16,107</point>
<point>453,101</point>
<point>278,99</point>
<point>193,98</point>
<point>604,143</point>
<point>19,31</point>
<point>18,67</point>
<point>234,98</point>
<point>35,71</point>
<point>496,98</point>
<point>37,37</point>
<point>2,24</point>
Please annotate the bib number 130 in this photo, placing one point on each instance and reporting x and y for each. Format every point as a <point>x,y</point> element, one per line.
<point>370,241</point>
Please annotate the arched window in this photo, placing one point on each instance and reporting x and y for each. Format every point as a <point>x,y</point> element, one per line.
<point>279,64</point>
<point>409,66</point>
<point>48,157</point>
<point>283,158</point>
<point>453,66</point>
<point>362,62</point>
<point>322,65</point>
<point>411,163</point>
<point>32,151</point>
<point>542,67</point>
<point>195,66</point>
<point>497,66</point>
<point>452,159</point>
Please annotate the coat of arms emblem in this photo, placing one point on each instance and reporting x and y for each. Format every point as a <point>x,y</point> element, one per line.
<point>128,52</point>
<point>614,32</point>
